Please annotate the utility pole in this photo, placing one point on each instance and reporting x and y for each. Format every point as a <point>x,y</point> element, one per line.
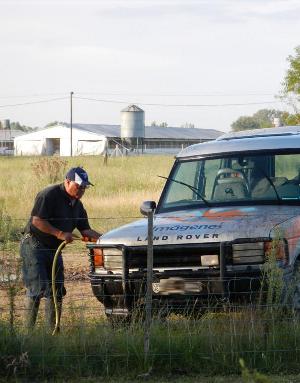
<point>71,122</point>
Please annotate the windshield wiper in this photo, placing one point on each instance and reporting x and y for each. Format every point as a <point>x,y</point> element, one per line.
<point>195,190</point>
<point>271,183</point>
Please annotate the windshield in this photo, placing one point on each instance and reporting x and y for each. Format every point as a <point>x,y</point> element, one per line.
<point>233,179</point>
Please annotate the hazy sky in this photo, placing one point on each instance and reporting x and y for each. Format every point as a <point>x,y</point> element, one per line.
<point>205,52</point>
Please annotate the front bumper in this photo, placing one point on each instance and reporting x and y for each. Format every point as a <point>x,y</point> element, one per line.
<point>177,288</point>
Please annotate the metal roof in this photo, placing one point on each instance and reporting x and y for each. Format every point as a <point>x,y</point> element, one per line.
<point>132,108</point>
<point>282,130</point>
<point>181,133</point>
<point>258,140</point>
<point>153,132</point>
<point>7,134</point>
<point>102,130</point>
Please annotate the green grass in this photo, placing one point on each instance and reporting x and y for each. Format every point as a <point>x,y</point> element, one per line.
<point>210,346</point>
<point>174,378</point>
<point>119,189</point>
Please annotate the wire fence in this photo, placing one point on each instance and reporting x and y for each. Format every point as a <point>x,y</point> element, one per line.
<point>177,313</point>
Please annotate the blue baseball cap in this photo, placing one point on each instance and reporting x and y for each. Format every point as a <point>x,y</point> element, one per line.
<point>80,176</point>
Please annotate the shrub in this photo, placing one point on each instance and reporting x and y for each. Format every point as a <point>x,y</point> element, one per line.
<point>51,169</point>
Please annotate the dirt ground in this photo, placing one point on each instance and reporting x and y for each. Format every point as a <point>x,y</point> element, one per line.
<point>79,301</point>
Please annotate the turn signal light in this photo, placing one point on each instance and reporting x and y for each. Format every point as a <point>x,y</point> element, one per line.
<point>98,258</point>
<point>276,248</point>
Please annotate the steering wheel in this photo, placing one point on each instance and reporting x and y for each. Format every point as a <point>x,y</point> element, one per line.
<point>233,174</point>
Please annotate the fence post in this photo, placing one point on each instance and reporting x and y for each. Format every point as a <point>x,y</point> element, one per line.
<point>147,209</point>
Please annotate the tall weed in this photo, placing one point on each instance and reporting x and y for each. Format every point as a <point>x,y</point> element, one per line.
<point>51,169</point>
<point>273,280</point>
<point>9,265</point>
<point>5,226</point>
<point>252,376</point>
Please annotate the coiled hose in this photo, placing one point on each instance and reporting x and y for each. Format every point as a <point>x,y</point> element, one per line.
<point>57,318</point>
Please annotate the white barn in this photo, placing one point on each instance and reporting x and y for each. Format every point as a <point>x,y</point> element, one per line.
<point>57,140</point>
<point>94,139</point>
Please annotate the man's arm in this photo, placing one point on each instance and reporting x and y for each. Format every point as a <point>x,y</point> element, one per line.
<point>44,226</point>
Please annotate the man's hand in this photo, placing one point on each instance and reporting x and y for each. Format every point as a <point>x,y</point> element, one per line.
<point>90,235</point>
<point>65,236</point>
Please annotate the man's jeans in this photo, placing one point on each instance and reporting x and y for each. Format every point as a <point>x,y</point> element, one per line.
<point>37,262</point>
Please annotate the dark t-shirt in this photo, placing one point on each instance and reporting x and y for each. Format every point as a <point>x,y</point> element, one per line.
<point>55,206</point>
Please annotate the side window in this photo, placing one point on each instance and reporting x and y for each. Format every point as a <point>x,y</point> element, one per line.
<point>287,166</point>
<point>283,170</point>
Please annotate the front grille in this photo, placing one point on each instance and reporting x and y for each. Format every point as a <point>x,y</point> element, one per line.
<point>170,256</point>
<point>235,253</point>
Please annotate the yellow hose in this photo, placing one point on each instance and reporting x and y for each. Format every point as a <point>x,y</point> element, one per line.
<point>58,251</point>
<point>57,319</point>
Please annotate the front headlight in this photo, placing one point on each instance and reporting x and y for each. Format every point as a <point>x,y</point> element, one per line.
<point>246,253</point>
<point>113,258</point>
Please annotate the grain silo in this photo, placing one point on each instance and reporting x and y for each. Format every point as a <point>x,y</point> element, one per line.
<point>133,126</point>
<point>5,124</point>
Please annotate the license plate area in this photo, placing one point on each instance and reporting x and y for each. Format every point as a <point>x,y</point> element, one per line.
<point>176,285</point>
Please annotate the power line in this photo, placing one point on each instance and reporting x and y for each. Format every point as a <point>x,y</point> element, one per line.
<point>176,105</point>
<point>34,95</point>
<point>136,94</point>
<point>142,103</point>
<point>209,94</point>
<point>33,102</point>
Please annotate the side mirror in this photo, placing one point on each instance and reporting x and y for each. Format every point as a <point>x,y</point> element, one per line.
<point>147,207</point>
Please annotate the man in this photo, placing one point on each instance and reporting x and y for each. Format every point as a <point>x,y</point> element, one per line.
<point>57,211</point>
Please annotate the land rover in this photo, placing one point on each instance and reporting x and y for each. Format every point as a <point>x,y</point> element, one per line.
<point>222,208</point>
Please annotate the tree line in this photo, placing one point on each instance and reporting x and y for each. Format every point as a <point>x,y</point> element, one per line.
<point>290,94</point>
<point>15,125</point>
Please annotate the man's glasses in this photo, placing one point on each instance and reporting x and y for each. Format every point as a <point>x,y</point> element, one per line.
<point>81,187</point>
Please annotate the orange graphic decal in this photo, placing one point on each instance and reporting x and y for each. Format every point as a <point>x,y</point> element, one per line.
<point>210,214</point>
